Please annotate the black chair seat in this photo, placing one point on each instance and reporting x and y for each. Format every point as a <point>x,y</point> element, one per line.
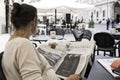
<point>111,50</point>
<point>106,49</point>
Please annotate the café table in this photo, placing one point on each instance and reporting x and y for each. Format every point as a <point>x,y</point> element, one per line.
<point>117,40</point>
<point>98,72</point>
<point>44,38</point>
<point>116,36</point>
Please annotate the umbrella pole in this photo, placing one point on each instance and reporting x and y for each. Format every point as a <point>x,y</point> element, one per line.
<point>55,15</point>
<point>7,14</point>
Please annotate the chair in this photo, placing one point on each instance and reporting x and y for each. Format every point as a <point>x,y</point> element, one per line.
<point>2,75</point>
<point>60,32</point>
<point>118,48</point>
<point>35,45</point>
<point>105,42</point>
<point>78,36</point>
<point>87,34</point>
<point>118,29</point>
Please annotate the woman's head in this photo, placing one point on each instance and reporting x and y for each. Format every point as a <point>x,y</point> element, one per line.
<point>22,15</point>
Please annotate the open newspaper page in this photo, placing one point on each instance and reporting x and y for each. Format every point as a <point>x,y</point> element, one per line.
<point>68,65</point>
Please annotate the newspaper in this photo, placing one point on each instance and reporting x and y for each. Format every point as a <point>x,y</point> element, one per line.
<point>69,65</point>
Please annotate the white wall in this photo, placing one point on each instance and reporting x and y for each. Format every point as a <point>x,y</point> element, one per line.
<point>2,16</point>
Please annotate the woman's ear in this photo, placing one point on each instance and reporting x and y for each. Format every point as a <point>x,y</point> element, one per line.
<point>35,21</point>
<point>34,25</point>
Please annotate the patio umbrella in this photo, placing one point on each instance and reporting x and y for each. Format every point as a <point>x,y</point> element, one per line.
<point>62,6</point>
<point>46,4</point>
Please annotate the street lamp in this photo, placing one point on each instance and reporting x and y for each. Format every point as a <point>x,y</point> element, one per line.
<point>107,8</point>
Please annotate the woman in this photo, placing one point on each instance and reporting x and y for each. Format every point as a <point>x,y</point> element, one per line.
<point>21,60</point>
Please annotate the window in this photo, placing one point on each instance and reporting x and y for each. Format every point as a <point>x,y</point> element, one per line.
<point>103,13</point>
<point>91,14</point>
<point>97,13</point>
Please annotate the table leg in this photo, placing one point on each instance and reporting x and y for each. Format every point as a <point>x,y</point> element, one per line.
<point>119,48</point>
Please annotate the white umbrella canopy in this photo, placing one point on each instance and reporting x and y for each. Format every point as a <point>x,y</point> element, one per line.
<point>62,6</point>
<point>62,9</point>
<point>48,14</point>
<point>46,4</point>
<point>76,6</point>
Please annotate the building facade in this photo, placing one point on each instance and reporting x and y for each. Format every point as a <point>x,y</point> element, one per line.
<point>103,10</point>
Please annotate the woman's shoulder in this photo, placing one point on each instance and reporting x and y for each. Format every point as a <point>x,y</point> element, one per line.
<point>20,41</point>
<point>23,40</point>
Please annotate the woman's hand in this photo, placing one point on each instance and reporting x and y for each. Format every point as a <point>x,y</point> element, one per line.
<point>74,77</point>
<point>115,64</point>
